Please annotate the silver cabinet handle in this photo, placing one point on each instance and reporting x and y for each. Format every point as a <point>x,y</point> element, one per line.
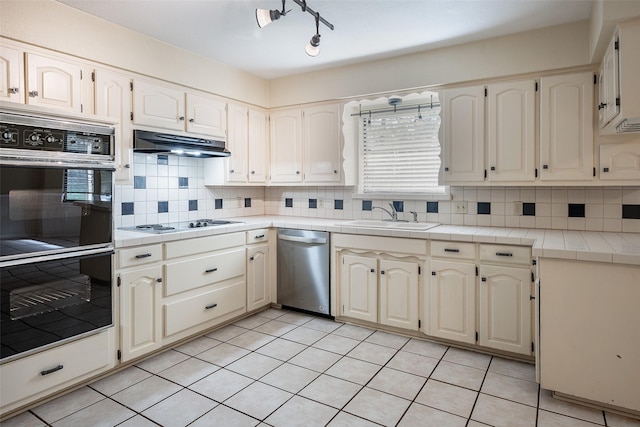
<point>310,240</point>
<point>51,371</point>
<point>14,90</point>
<point>33,93</point>
<point>210,306</point>
<point>211,270</point>
<point>143,256</point>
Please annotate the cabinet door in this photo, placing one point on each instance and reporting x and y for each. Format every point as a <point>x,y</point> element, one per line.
<point>11,75</point>
<point>158,106</point>
<point>238,144</point>
<point>608,107</point>
<point>140,317</point>
<point>257,277</point>
<point>453,300</point>
<point>620,161</point>
<point>511,123</point>
<point>322,143</point>
<point>53,83</point>
<point>359,287</point>
<point>286,146</point>
<point>258,147</point>
<point>206,115</point>
<point>399,294</point>
<point>463,134</point>
<point>505,308</point>
<point>113,99</point>
<point>566,127</point>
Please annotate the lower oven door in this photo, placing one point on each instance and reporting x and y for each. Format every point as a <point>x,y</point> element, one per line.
<point>53,299</point>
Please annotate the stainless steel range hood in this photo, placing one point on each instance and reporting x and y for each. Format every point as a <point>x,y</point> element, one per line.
<point>156,142</point>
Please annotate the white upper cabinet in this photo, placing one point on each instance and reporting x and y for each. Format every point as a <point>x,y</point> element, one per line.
<point>511,131</point>
<point>170,107</point>
<point>620,161</point>
<point>566,127</point>
<point>237,143</point>
<point>11,74</point>
<point>54,83</point>
<point>609,91</point>
<point>463,134</point>
<point>258,147</point>
<point>322,147</point>
<point>113,99</point>
<point>286,146</point>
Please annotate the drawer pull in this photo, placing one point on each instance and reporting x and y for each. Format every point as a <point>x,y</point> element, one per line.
<point>211,270</point>
<point>143,256</point>
<point>452,250</point>
<point>211,306</point>
<point>259,236</point>
<point>504,254</point>
<point>51,371</point>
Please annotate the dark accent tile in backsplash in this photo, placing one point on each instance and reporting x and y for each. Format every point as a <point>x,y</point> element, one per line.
<point>313,203</point>
<point>432,207</point>
<point>398,205</point>
<point>163,159</point>
<point>247,202</point>
<point>218,203</point>
<point>576,210</point>
<point>193,205</point>
<point>183,182</point>
<point>127,208</point>
<point>529,209</point>
<point>338,204</point>
<point>288,203</point>
<point>367,205</point>
<point>631,211</point>
<point>139,182</point>
<point>484,208</point>
<point>163,207</point>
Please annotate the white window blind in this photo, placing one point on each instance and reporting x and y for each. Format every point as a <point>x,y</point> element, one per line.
<point>400,152</point>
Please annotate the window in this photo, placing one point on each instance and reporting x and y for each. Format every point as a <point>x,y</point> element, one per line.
<point>400,150</point>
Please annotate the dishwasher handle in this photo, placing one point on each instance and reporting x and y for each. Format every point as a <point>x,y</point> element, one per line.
<point>308,240</point>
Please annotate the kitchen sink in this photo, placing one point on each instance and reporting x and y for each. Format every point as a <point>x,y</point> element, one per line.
<point>395,225</point>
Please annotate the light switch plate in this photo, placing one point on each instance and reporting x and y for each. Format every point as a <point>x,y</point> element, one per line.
<point>517,208</point>
<point>460,207</point>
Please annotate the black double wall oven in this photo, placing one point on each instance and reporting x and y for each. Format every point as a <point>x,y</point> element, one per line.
<point>56,238</point>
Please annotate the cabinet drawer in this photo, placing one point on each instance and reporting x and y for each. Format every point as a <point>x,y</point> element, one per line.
<point>257,236</point>
<point>186,247</point>
<point>29,377</point>
<point>139,255</point>
<point>194,273</point>
<point>503,254</point>
<point>456,250</point>
<point>184,314</point>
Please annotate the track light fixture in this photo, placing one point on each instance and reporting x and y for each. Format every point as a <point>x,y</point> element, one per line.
<point>265,16</point>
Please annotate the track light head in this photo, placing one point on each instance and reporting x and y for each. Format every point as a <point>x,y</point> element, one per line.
<point>265,17</point>
<point>313,47</point>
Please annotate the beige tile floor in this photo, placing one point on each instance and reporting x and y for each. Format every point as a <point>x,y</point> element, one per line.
<point>282,368</point>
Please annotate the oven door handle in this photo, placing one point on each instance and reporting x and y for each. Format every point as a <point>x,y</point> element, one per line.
<point>58,163</point>
<point>53,257</point>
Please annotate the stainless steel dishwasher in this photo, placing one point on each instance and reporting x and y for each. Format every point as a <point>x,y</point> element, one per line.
<point>303,270</point>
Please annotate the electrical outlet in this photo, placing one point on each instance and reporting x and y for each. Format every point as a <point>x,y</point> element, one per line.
<point>517,208</point>
<point>320,203</point>
<point>240,202</point>
<point>460,207</point>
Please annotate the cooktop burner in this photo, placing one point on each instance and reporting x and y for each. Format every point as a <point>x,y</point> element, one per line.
<point>154,227</point>
<point>172,227</point>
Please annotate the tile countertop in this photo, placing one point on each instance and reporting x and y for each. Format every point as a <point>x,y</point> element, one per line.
<point>622,248</point>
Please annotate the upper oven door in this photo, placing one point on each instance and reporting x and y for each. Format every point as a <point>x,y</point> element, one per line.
<point>48,210</point>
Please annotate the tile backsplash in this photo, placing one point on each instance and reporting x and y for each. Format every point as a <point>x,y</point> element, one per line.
<point>171,189</point>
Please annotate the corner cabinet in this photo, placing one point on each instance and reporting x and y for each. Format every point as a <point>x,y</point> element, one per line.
<point>306,145</point>
<point>566,127</point>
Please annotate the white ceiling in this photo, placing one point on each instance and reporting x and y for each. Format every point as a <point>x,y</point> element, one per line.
<point>226,30</point>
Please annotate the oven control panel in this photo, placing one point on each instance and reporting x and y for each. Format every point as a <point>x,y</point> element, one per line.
<point>37,138</point>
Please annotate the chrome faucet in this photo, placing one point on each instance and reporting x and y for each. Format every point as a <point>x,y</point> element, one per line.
<point>393,213</point>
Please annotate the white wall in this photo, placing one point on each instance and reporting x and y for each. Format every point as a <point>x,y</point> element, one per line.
<point>547,49</point>
<point>53,25</point>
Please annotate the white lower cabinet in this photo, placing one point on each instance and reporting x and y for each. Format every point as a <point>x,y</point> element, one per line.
<point>34,377</point>
<point>140,306</point>
<point>258,274</point>
<point>505,308</point>
<point>399,293</point>
<point>452,291</point>
<point>359,287</point>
